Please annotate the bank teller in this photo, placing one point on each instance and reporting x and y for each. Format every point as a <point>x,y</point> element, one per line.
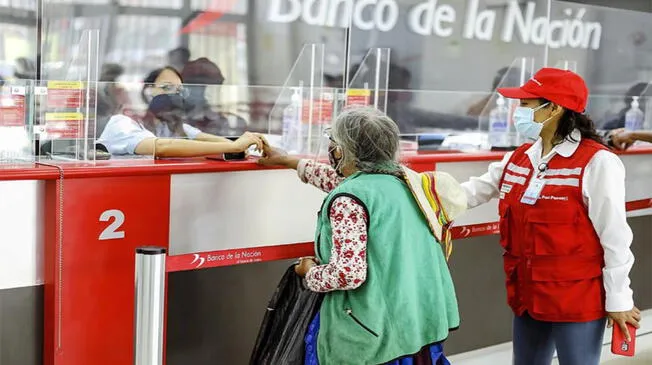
<point>162,131</point>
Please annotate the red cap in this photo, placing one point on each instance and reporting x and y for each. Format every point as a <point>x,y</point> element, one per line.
<point>561,87</point>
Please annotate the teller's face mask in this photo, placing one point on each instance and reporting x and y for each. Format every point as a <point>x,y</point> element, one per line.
<point>525,123</point>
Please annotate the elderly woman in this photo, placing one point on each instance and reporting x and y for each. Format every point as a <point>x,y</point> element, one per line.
<point>389,295</point>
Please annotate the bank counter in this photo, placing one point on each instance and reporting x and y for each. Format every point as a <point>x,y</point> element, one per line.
<point>70,230</point>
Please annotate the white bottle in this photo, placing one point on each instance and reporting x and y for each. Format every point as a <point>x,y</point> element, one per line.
<point>499,125</point>
<point>291,138</point>
<point>634,117</point>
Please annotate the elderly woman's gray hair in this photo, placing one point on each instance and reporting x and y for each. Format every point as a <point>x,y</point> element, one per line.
<point>369,140</point>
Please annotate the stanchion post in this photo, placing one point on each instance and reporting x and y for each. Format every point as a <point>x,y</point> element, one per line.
<point>149,304</point>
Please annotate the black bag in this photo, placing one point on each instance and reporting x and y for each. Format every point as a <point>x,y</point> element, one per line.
<point>289,313</point>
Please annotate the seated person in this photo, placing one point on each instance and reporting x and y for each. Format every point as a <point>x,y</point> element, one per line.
<point>161,81</point>
<point>178,58</point>
<point>162,131</point>
<point>111,96</point>
<point>197,75</point>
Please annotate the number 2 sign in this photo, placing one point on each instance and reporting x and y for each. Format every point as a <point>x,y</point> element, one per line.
<point>104,220</point>
<point>117,218</point>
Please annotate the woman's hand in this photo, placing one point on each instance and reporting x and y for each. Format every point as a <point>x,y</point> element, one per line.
<point>304,265</point>
<point>274,157</point>
<point>249,139</point>
<point>622,318</point>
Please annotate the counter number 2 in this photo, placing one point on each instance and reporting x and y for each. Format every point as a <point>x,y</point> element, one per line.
<point>112,231</point>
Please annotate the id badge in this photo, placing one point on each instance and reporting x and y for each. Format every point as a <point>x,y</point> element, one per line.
<point>533,191</point>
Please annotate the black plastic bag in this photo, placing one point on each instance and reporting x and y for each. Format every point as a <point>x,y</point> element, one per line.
<point>289,313</point>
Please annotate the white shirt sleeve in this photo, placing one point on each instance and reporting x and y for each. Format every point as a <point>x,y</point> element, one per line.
<point>604,192</point>
<point>191,131</point>
<point>122,135</point>
<point>480,190</point>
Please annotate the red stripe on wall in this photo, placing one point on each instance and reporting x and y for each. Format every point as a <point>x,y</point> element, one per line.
<point>237,256</point>
<point>205,260</point>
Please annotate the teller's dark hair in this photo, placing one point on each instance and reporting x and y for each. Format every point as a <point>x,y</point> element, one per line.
<point>572,120</point>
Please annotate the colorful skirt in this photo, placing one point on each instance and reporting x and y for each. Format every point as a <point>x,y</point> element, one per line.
<point>429,355</point>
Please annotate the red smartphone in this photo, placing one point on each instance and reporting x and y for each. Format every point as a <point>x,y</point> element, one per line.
<point>619,344</point>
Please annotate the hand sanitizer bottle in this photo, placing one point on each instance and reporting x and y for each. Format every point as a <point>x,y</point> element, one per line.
<point>634,117</point>
<point>499,125</point>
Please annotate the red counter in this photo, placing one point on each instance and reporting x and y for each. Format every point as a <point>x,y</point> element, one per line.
<point>96,215</point>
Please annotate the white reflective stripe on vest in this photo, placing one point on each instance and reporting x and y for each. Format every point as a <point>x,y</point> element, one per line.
<point>563,182</point>
<point>564,172</point>
<point>515,179</point>
<point>518,169</point>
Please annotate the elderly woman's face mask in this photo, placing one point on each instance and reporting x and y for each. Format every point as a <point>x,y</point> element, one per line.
<point>334,153</point>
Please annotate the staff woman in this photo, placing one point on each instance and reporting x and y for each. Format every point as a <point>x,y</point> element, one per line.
<point>563,225</point>
<point>162,131</point>
<point>389,294</point>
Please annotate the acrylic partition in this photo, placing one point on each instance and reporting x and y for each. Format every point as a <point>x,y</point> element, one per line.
<point>367,87</point>
<point>18,69</point>
<point>67,105</point>
<point>610,112</point>
<point>16,123</point>
<point>609,49</point>
<point>219,110</point>
<point>569,65</point>
<point>496,117</point>
<point>369,80</point>
<point>304,107</point>
<point>608,45</point>
<point>427,120</point>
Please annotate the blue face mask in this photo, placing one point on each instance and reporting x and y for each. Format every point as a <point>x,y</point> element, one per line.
<point>525,124</point>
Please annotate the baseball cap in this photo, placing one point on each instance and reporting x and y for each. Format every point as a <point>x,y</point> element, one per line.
<point>561,87</point>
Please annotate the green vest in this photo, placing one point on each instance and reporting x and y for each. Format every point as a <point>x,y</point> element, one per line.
<point>408,299</point>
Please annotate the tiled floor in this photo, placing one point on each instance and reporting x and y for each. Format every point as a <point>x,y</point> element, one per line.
<point>502,354</point>
<point>644,358</point>
<point>643,354</point>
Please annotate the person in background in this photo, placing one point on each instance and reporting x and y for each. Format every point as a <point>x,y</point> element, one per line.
<point>389,294</point>
<point>25,69</point>
<point>504,76</point>
<point>622,139</point>
<point>563,226</point>
<point>198,75</point>
<point>613,130</point>
<point>618,121</point>
<point>178,58</point>
<point>334,81</point>
<point>414,119</point>
<point>161,81</point>
<point>111,97</point>
<point>162,131</point>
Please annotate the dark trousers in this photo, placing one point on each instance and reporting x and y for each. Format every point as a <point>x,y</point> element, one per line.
<point>576,343</point>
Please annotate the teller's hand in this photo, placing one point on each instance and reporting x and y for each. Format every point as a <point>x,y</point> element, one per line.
<point>621,319</point>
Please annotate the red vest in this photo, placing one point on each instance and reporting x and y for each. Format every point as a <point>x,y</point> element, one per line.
<point>553,258</point>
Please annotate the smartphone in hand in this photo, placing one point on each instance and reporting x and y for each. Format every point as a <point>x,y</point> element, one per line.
<point>619,344</point>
